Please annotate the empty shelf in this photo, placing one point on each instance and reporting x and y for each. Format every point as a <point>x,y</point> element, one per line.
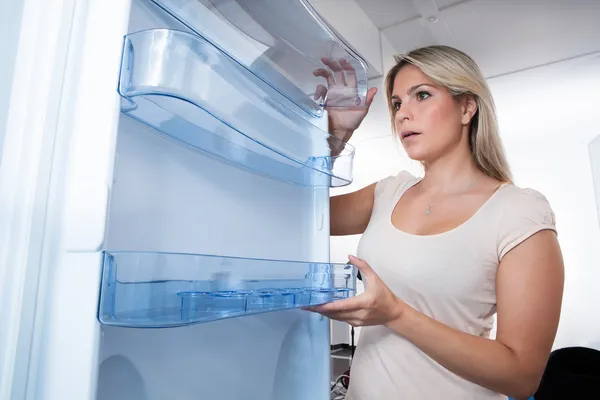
<point>280,41</point>
<point>159,290</point>
<point>184,87</point>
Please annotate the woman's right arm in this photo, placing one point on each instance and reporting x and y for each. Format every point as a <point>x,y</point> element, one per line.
<point>350,213</point>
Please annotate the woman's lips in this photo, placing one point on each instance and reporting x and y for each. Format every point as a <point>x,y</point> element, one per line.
<point>408,134</point>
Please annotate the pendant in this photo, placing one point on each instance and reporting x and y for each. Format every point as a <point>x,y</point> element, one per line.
<point>428,211</point>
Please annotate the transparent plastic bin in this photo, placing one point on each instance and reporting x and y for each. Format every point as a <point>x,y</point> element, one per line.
<point>183,86</point>
<point>280,41</point>
<point>159,290</point>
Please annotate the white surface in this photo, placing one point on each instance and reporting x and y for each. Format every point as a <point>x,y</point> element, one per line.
<point>385,13</point>
<point>10,26</point>
<point>36,146</point>
<point>68,343</point>
<point>95,113</point>
<point>502,36</point>
<point>595,161</point>
<point>510,35</point>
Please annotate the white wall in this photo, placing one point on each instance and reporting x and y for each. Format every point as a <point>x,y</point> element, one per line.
<point>548,116</point>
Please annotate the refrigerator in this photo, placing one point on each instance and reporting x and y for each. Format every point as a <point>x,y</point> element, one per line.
<point>164,186</point>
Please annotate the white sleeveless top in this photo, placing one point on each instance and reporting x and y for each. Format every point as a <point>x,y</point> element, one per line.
<point>450,277</point>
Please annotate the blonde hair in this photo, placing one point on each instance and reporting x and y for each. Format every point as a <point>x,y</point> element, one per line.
<point>456,71</point>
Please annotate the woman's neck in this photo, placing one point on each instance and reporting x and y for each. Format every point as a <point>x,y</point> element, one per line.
<point>451,173</point>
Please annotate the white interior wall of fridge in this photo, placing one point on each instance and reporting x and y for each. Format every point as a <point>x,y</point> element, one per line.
<point>169,197</point>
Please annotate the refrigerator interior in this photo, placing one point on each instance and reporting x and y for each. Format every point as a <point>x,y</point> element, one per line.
<point>221,183</point>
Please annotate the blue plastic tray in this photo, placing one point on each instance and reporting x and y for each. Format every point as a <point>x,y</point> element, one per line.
<point>159,290</point>
<point>183,86</point>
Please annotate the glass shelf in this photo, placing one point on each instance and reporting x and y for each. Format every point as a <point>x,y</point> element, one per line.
<point>282,42</point>
<point>182,86</point>
<point>160,290</point>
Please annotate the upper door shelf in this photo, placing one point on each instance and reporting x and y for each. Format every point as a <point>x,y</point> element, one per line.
<point>283,42</point>
<point>183,86</point>
<point>161,290</point>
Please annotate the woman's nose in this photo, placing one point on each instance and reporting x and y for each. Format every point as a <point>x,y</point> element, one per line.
<point>403,114</point>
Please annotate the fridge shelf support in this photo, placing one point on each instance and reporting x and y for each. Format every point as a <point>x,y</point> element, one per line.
<point>183,86</point>
<point>282,42</point>
<point>160,290</point>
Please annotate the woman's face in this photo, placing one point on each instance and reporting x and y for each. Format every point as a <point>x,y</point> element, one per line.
<point>429,121</point>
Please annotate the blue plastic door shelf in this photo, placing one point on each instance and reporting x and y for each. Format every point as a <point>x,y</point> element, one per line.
<point>148,289</point>
<point>218,108</point>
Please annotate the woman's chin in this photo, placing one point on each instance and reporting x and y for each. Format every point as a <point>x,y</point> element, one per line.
<point>415,154</point>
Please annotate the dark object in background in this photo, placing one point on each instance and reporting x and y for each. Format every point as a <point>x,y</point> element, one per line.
<point>359,276</point>
<point>571,373</point>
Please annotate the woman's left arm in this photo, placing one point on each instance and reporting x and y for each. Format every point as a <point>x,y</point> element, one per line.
<point>529,287</point>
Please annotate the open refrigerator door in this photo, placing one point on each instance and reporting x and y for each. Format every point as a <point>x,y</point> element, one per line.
<point>187,205</point>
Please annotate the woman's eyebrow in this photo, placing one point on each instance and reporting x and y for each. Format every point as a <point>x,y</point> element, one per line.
<point>412,89</point>
<point>415,87</point>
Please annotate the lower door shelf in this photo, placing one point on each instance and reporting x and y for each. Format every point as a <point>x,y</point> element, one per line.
<point>159,290</point>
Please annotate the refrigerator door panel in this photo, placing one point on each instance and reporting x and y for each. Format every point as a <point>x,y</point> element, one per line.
<point>54,181</point>
<point>171,198</point>
<point>62,214</point>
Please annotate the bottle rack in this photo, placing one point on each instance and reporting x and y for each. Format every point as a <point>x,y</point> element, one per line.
<point>281,43</point>
<point>183,86</point>
<point>159,290</point>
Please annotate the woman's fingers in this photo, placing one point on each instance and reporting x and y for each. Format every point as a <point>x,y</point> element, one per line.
<point>324,73</point>
<point>349,72</point>
<point>320,92</point>
<point>350,304</point>
<point>365,269</point>
<point>354,318</point>
<point>338,72</point>
<point>370,96</point>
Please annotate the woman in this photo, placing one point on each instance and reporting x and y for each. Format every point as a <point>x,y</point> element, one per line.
<point>442,254</point>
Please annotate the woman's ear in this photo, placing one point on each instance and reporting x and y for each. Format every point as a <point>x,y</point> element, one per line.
<point>469,108</point>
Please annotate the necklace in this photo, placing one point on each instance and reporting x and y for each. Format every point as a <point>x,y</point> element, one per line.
<point>428,210</point>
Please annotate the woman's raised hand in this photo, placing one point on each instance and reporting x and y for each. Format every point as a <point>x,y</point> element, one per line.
<point>342,93</point>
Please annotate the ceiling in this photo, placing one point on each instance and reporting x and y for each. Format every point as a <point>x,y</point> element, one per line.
<point>503,36</point>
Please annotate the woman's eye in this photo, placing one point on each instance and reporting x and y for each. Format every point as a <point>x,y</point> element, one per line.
<point>396,106</point>
<point>422,95</point>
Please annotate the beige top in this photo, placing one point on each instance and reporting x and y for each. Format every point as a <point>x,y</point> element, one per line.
<point>450,277</point>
